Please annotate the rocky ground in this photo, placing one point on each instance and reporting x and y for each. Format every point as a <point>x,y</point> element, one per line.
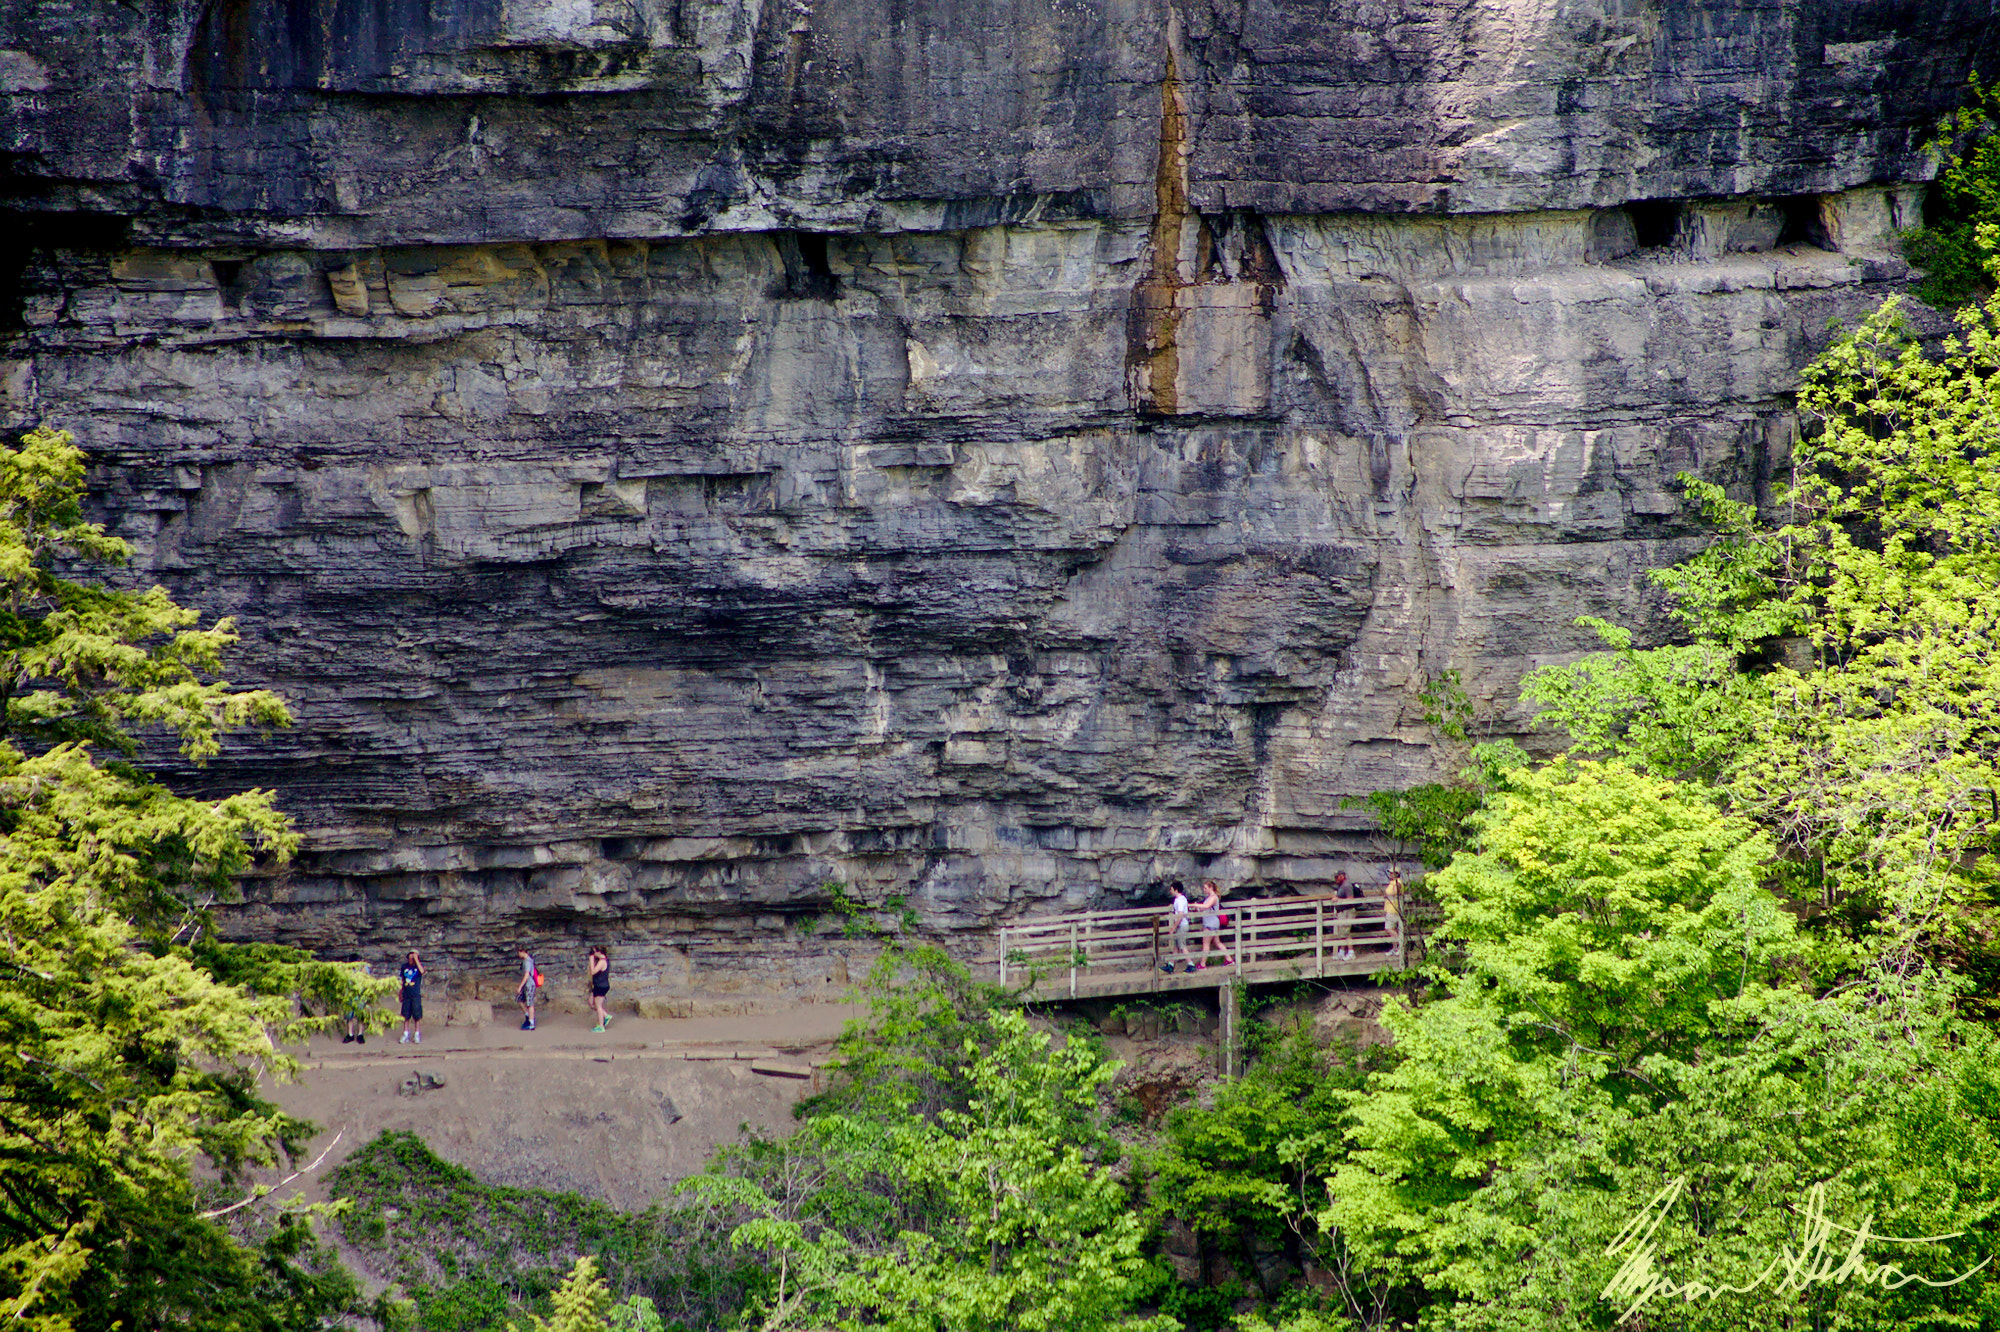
<point>617,1116</point>
<point>621,1115</point>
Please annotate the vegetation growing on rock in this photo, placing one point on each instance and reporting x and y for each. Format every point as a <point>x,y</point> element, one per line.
<point>133,1040</point>
<point>1958,242</point>
<point>1726,953</point>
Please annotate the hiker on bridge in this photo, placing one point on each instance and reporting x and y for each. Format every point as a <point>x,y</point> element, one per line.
<point>1345,893</point>
<point>1211,925</point>
<point>1392,910</point>
<point>1178,914</point>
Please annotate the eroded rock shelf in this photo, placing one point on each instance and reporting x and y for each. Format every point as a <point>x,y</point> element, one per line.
<point>675,455</point>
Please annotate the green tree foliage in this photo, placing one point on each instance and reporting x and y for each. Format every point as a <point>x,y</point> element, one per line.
<point>1224,1170</point>
<point>1436,818</point>
<point>1249,1173</point>
<point>1588,928</point>
<point>1433,817</point>
<point>1439,818</point>
<point>79,662</point>
<point>1685,711</point>
<point>1024,1230</point>
<point>582,1302</point>
<point>1633,1006</point>
<point>132,1043</point>
<point>637,1314</point>
<point>1959,245</point>
<point>906,1057</point>
<point>472,1256</point>
<point>1840,685</point>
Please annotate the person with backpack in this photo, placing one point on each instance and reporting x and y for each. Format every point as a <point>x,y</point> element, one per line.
<point>1345,892</point>
<point>525,993</point>
<point>413,999</point>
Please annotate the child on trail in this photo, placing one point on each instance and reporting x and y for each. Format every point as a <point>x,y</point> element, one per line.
<point>600,985</point>
<point>413,999</point>
<point>525,992</point>
<point>1179,916</point>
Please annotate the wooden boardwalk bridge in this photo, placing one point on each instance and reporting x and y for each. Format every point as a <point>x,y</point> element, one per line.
<point>1102,954</point>
<point>1094,954</point>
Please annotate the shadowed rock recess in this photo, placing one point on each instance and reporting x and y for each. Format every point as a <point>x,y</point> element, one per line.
<point>678,453</point>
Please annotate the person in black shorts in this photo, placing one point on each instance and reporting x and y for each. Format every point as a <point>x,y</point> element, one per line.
<point>600,985</point>
<point>413,999</point>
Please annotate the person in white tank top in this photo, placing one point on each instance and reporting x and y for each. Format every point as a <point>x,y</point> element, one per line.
<point>1179,917</point>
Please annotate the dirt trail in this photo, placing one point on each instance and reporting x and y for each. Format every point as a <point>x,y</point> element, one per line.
<point>618,1115</point>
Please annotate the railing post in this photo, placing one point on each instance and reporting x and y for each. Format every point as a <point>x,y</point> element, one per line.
<point>1072,959</point>
<point>1319,937</point>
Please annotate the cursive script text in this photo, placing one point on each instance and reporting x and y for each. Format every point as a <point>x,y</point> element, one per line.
<point>1828,1254</point>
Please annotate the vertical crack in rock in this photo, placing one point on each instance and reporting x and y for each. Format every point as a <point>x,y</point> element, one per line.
<point>718,488</point>
<point>1152,355</point>
<point>1200,333</point>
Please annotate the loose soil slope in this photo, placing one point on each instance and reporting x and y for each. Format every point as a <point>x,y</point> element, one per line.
<point>616,1116</point>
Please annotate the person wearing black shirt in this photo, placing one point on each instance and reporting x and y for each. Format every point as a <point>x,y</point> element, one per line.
<point>413,999</point>
<point>600,986</point>
<point>1345,893</point>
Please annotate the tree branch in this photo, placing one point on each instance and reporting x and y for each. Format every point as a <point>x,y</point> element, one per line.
<point>265,1192</point>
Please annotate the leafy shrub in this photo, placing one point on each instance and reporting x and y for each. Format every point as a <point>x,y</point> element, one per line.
<point>1956,247</point>
<point>471,1254</point>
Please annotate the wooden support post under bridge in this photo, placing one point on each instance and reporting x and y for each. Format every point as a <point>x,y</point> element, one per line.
<point>1230,1003</point>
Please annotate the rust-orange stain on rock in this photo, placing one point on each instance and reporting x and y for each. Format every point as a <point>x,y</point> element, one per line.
<point>1152,356</point>
<point>1198,333</point>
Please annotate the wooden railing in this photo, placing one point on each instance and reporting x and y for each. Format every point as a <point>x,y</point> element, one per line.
<point>1267,938</point>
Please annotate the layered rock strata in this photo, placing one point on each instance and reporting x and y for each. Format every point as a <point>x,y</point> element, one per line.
<point>680,456</point>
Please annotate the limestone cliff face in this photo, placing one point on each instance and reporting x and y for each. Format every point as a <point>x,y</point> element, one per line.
<point>676,454</point>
